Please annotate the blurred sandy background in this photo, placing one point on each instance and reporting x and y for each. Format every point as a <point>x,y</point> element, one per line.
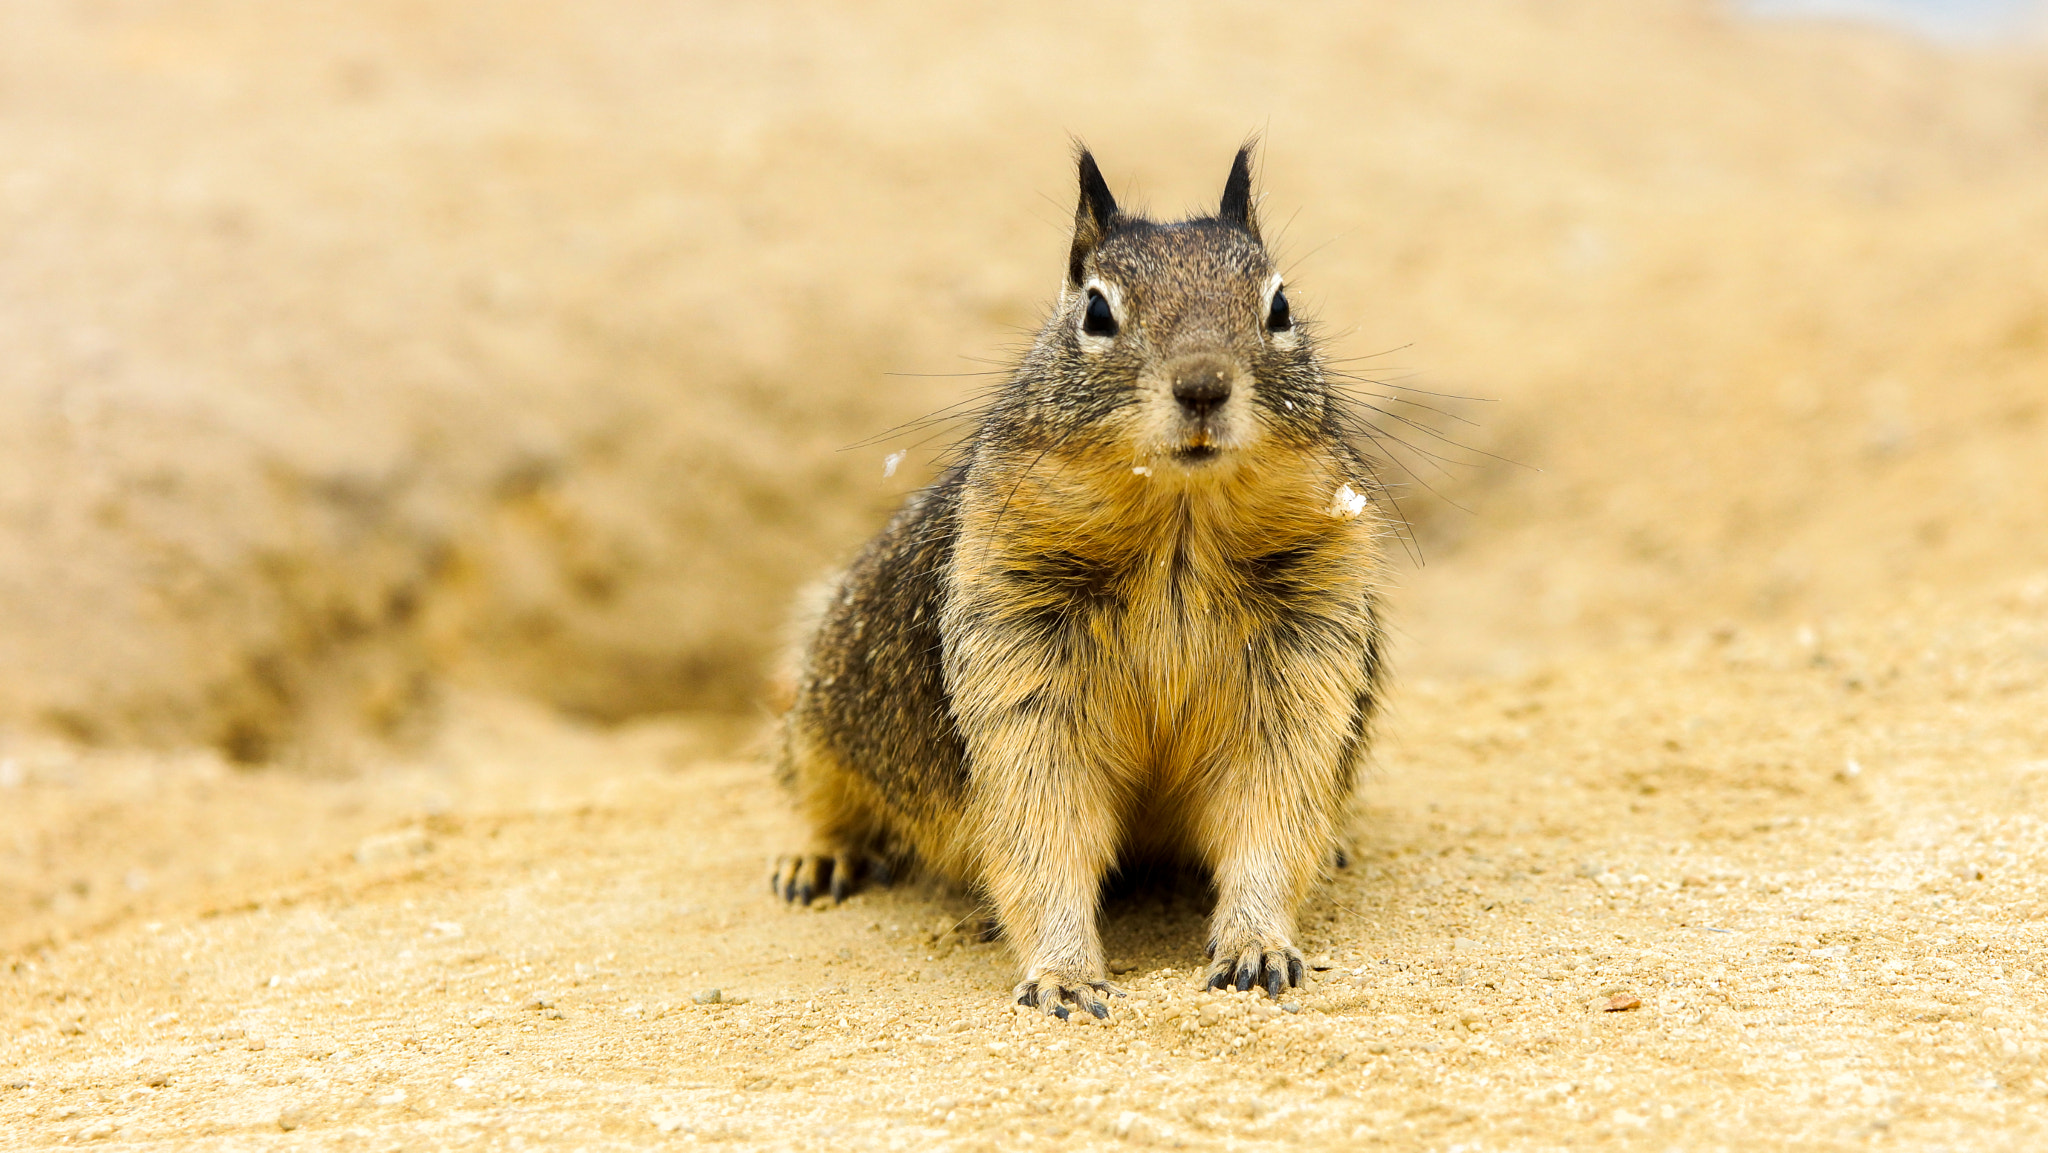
<point>356,348</point>
<point>438,403</point>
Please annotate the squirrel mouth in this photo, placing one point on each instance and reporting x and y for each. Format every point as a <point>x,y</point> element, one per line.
<point>1199,444</point>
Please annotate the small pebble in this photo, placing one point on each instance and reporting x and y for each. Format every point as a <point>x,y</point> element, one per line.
<point>479,1020</point>
<point>1134,1127</point>
<point>540,1003</point>
<point>708,996</point>
<point>1290,1007</point>
<point>385,848</point>
<point>258,1044</point>
<point>291,1118</point>
<point>157,1080</point>
<point>71,1029</point>
<point>17,1084</point>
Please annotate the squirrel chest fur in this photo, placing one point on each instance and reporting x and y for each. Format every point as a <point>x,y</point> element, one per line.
<point>1138,618</point>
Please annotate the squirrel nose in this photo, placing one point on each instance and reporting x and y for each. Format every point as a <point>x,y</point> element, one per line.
<point>1201,387</point>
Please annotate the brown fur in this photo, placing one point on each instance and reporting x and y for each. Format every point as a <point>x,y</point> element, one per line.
<point>1137,619</point>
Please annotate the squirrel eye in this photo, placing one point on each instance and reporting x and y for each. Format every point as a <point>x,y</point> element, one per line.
<point>1279,319</point>
<point>1099,320</point>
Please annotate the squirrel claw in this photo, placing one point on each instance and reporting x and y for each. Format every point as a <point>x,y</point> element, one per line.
<point>1057,995</point>
<point>800,878</point>
<point>1272,969</point>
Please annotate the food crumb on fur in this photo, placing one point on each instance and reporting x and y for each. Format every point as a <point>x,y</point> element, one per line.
<point>1348,503</point>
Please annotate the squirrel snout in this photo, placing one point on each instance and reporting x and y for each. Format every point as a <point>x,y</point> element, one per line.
<point>1201,385</point>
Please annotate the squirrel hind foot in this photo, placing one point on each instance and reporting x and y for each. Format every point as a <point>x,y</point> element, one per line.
<point>800,878</point>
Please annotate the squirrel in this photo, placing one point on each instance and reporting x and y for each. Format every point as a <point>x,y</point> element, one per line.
<point>1138,618</point>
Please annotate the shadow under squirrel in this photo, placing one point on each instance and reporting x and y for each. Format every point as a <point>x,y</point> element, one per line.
<point>1137,619</point>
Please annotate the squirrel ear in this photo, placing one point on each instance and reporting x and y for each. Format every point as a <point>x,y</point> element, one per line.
<point>1237,194</point>
<point>1092,218</point>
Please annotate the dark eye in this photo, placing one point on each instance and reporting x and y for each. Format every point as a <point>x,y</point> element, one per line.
<point>1099,321</point>
<point>1279,319</point>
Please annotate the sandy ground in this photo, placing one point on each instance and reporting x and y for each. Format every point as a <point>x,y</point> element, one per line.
<point>1759,890</point>
<point>388,385</point>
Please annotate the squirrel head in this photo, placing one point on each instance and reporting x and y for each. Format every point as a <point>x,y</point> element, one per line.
<point>1173,346</point>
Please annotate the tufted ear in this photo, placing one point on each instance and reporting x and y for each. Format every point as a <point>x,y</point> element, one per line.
<point>1092,217</point>
<point>1237,194</point>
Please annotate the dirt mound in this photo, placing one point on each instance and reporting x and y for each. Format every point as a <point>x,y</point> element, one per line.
<point>358,349</point>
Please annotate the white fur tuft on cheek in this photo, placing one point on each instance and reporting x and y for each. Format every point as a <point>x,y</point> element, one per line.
<point>1347,504</point>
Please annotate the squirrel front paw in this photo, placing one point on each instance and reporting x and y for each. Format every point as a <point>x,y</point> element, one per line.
<point>1274,965</point>
<point>1058,994</point>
